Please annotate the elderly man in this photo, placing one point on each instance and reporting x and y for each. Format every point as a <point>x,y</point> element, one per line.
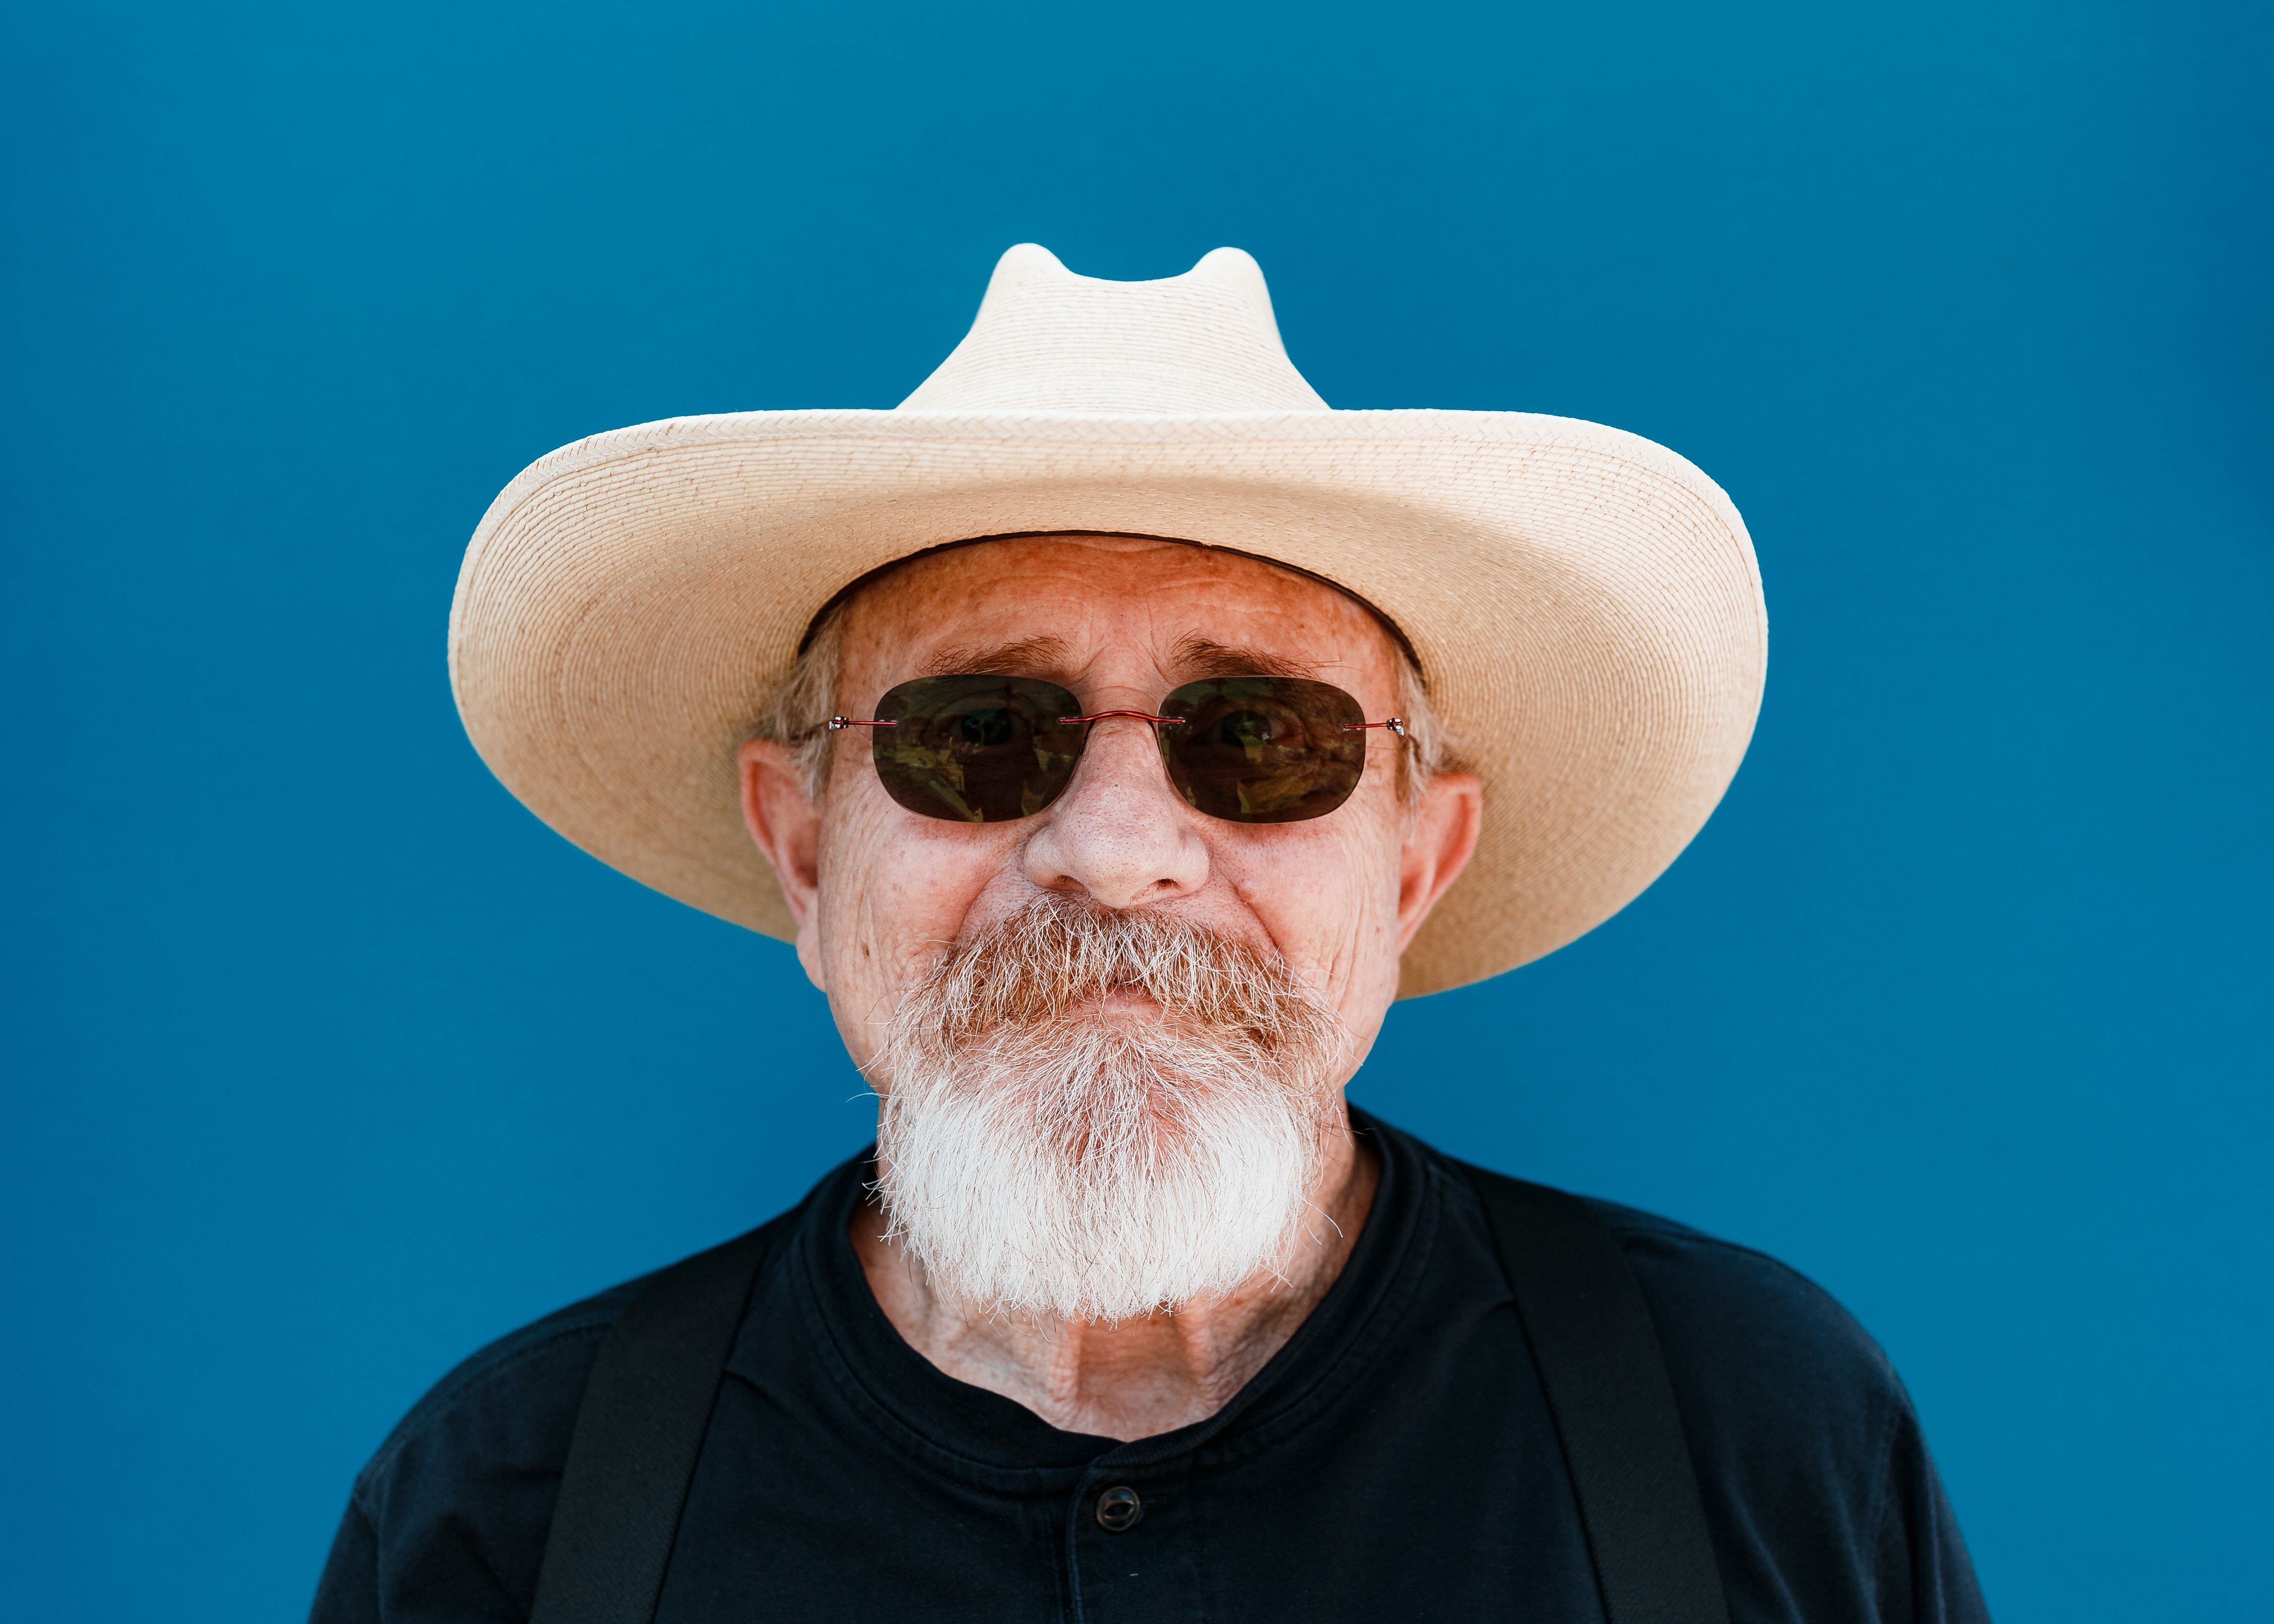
<point>1118,731</point>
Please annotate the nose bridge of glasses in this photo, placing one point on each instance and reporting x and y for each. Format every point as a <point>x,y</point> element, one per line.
<point>1142,716</point>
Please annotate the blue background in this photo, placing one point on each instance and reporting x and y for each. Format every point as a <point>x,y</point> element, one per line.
<point>325,1062</point>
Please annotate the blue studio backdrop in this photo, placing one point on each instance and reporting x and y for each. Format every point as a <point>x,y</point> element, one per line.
<point>326,1063</point>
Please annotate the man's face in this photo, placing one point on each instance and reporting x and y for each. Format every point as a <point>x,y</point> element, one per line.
<point>881,893</point>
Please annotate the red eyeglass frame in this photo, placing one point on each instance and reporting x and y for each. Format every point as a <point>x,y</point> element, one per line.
<point>1396,724</point>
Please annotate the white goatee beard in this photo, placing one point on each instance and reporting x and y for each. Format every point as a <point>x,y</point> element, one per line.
<point>1039,1157</point>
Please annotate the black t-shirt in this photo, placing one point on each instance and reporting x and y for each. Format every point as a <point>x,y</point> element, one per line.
<point>1395,1458</point>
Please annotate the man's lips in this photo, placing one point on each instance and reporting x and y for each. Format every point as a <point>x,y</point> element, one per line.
<point>1125,1000</point>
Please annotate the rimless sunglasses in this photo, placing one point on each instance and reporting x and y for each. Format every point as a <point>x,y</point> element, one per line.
<point>983,749</point>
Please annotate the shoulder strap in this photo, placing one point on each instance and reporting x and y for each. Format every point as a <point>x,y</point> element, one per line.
<point>1598,1359</point>
<point>646,1408</point>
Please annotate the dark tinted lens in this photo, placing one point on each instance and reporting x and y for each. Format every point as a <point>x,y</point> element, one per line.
<point>976,749</point>
<point>1263,749</point>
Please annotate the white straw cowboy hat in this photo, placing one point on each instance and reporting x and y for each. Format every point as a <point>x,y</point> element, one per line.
<point>1585,605</point>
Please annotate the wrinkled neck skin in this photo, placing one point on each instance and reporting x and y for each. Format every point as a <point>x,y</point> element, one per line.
<point>1138,1378</point>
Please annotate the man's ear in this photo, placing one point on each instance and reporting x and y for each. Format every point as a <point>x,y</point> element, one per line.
<point>785,825</point>
<point>1439,839</point>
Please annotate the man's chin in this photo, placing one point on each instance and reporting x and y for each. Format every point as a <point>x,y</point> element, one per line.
<point>1152,1192</point>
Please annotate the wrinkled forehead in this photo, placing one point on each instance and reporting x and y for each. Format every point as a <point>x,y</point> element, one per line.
<point>1114,608</point>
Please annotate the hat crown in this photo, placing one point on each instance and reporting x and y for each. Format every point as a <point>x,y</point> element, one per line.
<point>1047,340</point>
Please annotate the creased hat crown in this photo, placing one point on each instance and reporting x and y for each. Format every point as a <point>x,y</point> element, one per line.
<point>1049,341</point>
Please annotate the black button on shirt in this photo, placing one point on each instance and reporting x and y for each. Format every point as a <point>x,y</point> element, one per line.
<point>1395,1458</point>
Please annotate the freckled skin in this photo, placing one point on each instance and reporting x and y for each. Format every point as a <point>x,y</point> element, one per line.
<point>877,891</point>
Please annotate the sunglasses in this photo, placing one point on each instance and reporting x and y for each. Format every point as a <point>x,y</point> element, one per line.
<point>985,749</point>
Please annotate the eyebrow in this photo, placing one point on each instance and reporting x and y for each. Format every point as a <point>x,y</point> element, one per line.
<point>1039,656</point>
<point>1204,657</point>
<point>1048,656</point>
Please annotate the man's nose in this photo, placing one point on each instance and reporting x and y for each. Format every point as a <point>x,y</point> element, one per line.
<point>1120,834</point>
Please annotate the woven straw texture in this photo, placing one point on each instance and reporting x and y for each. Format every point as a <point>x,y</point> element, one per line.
<point>1585,604</point>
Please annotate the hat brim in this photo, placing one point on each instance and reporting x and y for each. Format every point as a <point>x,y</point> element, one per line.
<point>1585,604</point>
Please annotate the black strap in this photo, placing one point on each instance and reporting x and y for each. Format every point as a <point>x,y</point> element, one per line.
<point>1599,1361</point>
<point>639,1429</point>
<point>648,1405</point>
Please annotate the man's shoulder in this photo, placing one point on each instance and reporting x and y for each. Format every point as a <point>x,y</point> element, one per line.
<point>1817,1485</point>
<point>1741,1330</point>
<point>1746,1317</point>
<point>452,1507</point>
<point>509,1408</point>
<point>523,1388</point>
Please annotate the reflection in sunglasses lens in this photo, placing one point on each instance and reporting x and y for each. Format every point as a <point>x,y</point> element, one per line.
<point>976,749</point>
<point>1263,749</point>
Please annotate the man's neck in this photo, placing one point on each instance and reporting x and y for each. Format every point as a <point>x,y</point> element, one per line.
<point>1138,1378</point>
